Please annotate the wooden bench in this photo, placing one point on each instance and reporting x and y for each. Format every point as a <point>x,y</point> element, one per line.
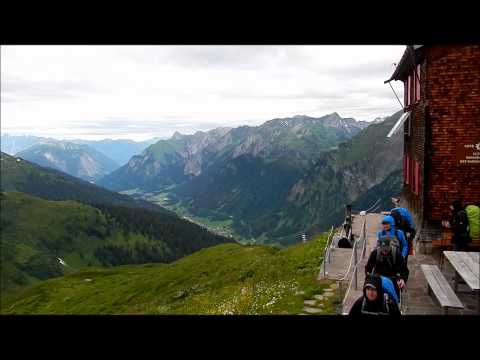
<point>441,288</point>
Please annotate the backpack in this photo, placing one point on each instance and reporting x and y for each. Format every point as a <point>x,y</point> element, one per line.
<point>473,215</point>
<point>395,245</point>
<point>344,243</point>
<point>400,222</point>
<point>393,255</point>
<point>388,288</point>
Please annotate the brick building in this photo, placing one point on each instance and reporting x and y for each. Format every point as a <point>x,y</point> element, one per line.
<point>441,124</point>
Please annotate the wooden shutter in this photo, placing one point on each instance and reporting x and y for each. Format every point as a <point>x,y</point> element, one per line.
<point>405,93</point>
<point>412,174</point>
<point>405,168</point>
<point>409,89</point>
<point>407,178</point>
<point>417,178</point>
<point>412,183</point>
<point>417,83</point>
<point>412,87</point>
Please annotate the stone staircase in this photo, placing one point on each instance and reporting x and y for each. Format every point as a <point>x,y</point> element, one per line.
<point>315,306</point>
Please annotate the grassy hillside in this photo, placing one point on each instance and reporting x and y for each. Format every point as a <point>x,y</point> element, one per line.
<point>225,279</point>
<point>34,232</point>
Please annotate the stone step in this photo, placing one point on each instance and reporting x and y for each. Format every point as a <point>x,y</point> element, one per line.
<point>312,310</point>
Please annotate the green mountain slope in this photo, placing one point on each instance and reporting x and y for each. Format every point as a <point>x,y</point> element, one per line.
<point>23,176</point>
<point>35,232</point>
<point>391,186</point>
<point>225,279</point>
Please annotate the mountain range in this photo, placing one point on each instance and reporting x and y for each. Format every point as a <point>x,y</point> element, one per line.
<point>271,182</point>
<point>77,160</point>
<point>184,157</point>
<point>119,150</point>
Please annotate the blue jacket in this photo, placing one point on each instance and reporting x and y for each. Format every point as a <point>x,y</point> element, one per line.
<point>401,236</point>
<point>388,287</point>
<point>406,214</point>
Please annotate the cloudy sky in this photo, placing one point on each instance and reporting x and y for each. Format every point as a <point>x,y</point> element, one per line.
<point>139,92</point>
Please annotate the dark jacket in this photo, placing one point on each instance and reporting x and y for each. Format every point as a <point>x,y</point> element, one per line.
<point>385,266</point>
<point>383,305</point>
<point>459,224</point>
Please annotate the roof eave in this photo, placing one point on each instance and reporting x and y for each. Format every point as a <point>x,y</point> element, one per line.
<point>413,53</point>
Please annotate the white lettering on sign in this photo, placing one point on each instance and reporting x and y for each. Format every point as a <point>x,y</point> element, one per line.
<point>468,154</point>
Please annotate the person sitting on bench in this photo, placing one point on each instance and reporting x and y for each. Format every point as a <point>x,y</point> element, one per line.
<point>375,299</point>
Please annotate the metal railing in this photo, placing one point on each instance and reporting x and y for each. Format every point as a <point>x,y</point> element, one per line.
<point>326,252</point>
<point>354,257</point>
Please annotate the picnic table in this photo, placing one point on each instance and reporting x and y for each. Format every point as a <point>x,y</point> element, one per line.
<point>467,266</point>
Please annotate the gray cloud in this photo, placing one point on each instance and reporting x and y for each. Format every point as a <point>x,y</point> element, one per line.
<point>226,56</point>
<point>15,89</point>
<point>162,89</point>
<point>125,126</point>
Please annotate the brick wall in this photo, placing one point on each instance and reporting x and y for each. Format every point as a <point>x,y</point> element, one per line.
<point>414,145</point>
<point>453,116</point>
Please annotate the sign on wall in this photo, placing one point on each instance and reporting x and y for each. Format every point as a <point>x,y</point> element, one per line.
<point>468,154</point>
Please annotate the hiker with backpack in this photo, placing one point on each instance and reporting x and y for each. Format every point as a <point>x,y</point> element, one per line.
<point>386,260</point>
<point>404,222</point>
<point>396,235</point>
<point>459,225</point>
<point>376,299</point>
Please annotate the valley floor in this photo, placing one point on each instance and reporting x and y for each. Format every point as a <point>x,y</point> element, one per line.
<point>221,227</point>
